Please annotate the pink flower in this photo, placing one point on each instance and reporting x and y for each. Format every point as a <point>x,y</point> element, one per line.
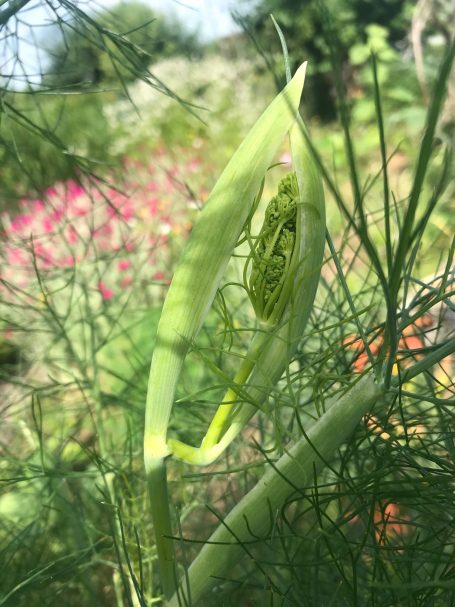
<point>106,293</point>
<point>123,265</point>
<point>20,222</point>
<point>169,185</point>
<point>42,254</point>
<point>46,258</point>
<point>38,206</point>
<point>80,211</point>
<point>67,261</point>
<point>104,230</point>
<point>72,235</point>
<point>57,214</point>
<point>154,206</point>
<point>126,281</point>
<point>74,190</point>
<point>104,244</point>
<point>16,256</point>
<point>72,223</point>
<point>127,212</point>
<point>51,191</point>
<point>111,212</point>
<point>153,186</point>
<point>193,164</point>
<point>47,225</point>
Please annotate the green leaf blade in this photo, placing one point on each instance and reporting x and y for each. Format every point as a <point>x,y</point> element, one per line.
<point>206,256</point>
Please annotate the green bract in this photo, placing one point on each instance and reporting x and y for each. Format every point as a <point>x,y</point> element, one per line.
<point>204,261</point>
<point>285,261</point>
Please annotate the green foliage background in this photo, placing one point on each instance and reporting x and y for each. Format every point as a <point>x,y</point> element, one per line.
<point>306,26</point>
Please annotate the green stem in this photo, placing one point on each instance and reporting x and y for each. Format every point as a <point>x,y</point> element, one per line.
<point>231,397</point>
<point>161,516</point>
<point>294,469</point>
<point>253,513</point>
<point>231,411</point>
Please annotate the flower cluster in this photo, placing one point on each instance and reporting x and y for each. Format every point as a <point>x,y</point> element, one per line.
<point>274,249</point>
<point>98,239</point>
<point>392,523</point>
<point>409,347</point>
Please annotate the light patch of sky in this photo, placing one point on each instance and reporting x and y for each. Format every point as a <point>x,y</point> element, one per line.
<point>211,17</point>
<point>25,37</point>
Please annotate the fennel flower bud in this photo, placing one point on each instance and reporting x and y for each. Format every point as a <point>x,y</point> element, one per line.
<point>274,256</point>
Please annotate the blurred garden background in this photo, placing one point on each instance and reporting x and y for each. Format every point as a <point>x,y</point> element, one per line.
<point>115,121</point>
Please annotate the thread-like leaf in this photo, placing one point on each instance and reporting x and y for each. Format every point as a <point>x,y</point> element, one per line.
<point>293,471</point>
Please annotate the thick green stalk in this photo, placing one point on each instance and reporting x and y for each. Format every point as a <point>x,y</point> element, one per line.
<point>252,514</point>
<point>159,507</point>
<point>294,469</point>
